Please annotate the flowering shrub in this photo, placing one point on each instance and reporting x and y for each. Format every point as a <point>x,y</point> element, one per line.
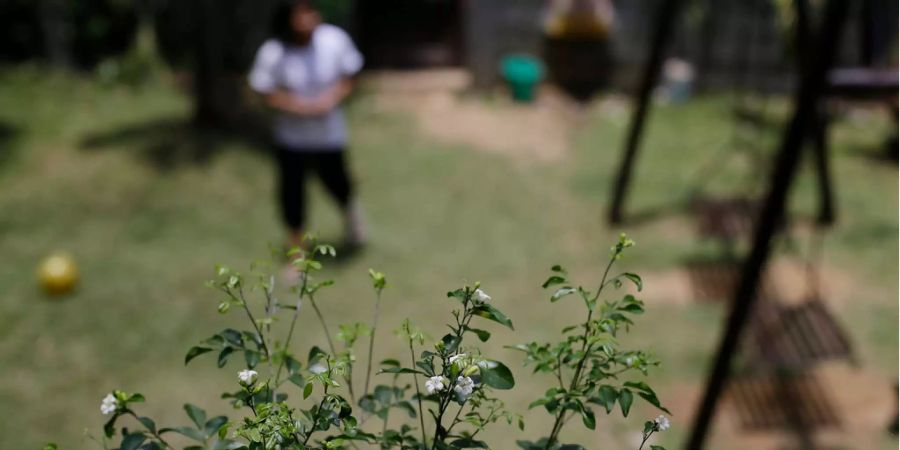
<point>440,396</point>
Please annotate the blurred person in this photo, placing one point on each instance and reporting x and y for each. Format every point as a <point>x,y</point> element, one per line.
<point>304,73</point>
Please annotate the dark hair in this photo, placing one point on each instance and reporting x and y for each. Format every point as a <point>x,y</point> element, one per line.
<point>281,20</point>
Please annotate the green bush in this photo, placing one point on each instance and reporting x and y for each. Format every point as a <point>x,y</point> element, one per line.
<point>441,397</point>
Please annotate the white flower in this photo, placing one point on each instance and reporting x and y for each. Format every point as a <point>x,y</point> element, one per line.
<point>455,358</point>
<point>480,296</point>
<point>662,423</point>
<point>629,361</point>
<point>317,368</point>
<point>247,377</point>
<point>464,387</point>
<point>434,384</point>
<point>109,404</point>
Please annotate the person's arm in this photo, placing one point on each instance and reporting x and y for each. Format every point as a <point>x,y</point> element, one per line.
<point>333,97</point>
<point>284,101</point>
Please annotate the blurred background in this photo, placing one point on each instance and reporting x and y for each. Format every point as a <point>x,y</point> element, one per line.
<point>486,138</point>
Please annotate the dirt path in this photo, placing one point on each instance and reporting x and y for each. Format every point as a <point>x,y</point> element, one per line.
<point>535,132</point>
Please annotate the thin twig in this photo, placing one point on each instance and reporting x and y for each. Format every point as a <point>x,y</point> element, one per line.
<point>372,341</point>
<point>412,356</point>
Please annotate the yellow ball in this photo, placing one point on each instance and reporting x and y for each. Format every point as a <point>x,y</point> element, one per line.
<point>58,274</point>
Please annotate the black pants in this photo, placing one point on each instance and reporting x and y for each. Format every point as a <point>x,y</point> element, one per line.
<point>293,166</point>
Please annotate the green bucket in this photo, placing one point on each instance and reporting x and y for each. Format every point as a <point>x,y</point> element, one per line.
<point>522,73</point>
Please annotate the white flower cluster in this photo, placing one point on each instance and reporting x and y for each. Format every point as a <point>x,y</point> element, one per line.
<point>435,384</point>
<point>662,423</point>
<point>480,296</point>
<point>464,387</point>
<point>109,404</point>
<point>247,377</point>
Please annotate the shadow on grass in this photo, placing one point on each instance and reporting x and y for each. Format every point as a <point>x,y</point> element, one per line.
<point>886,153</point>
<point>169,143</point>
<point>8,132</point>
<point>648,214</point>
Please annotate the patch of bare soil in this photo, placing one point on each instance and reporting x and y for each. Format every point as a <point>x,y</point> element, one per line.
<point>538,131</point>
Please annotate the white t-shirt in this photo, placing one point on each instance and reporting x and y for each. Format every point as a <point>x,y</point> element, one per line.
<point>307,72</point>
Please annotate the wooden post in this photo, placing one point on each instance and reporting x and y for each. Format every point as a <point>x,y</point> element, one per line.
<point>811,88</point>
<point>665,21</point>
<point>819,134</point>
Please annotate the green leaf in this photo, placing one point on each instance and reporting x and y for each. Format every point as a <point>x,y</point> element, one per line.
<point>483,336</point>
<point>634,279</point>
<point>451,343</point>
<point>561,293</point>
<point>646,393</point>
<point>195,352</point>
<point>558,268</point>
<point>298,380</point>
<point>197,415</point>
<point>186,431</point>
<point>383,393</point>
<point>315,354</point>
<point>211,427</point>
<point>468,443</point>
<point>367,403</point>
<point>390,362</point>
<point>401,370</point>
<point>657,447</point>
<point>132,441</point>
<point>459,294</point>
<point>553,281</point>
<point>588,418</point>
<point>251,358</point>
<point>489,312</point>
<point>148,423</point>
<point>292,364</point>
<point>223,356</point>
<point>233,337</point>
<point>307,390</point>
<point>496,375</point>
<point>625,400</point>
<point>408,407</point>
<point>109,428</point>
<point>606,397</point>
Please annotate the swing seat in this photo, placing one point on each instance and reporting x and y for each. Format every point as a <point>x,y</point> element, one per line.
<point>713,280</point>
<point>779,401</point>
<point>797,336</point>
<point>726,218</point>
<point>862,83</point>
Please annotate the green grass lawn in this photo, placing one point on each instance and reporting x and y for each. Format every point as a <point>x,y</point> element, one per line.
<point>148,215</point>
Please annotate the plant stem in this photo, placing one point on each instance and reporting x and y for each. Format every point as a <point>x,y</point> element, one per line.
<point>259,332</point>
<point>412,356</point>
<point>331,347</point>
<point>439,433</point>
<point>316,418</point>
<point>387,413</point>
<point>576,377</point>
<point>287,341</point>
<point>372,341</point>
<point>646,438</point>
